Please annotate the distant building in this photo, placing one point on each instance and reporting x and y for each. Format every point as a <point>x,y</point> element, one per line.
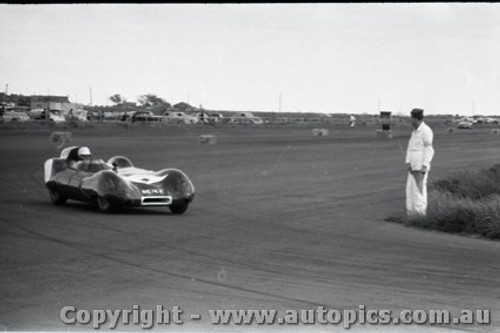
<point>60,103</point>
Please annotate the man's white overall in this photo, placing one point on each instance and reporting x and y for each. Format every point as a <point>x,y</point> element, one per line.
<point>419,154</point>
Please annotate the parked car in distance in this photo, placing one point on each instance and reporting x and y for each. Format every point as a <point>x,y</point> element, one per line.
<point>39,114</point>
<point>145,116</point>
<point>216,117</point>
<point>175,116</point>
<point>246,118</point>
<point>13,116</point>
<point>210,117</point>
<point>191,119</point>
<point>78,115</point>
<point>490,120</point>
<point>465,124</point>
<point>179,117</point>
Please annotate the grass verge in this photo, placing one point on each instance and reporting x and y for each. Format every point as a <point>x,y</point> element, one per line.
<point>466,202</point>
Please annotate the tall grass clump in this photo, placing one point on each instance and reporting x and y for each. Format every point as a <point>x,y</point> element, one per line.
<point>475,184</point>
<point>466,202</point>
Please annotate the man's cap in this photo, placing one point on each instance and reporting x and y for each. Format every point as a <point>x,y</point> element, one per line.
<point>84,151</point>
<point>417,113</point>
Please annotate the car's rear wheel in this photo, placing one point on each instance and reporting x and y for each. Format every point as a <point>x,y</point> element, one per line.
<point>104,204</point>
<point>179,207</point>
<point>57,198</point>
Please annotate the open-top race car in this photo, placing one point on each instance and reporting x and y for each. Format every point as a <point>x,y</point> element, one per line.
<point>115,183</point>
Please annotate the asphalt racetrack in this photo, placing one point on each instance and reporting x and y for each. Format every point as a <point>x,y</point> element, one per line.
<point>281,220</point>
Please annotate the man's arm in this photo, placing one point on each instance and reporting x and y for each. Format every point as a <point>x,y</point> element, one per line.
<point>428,149</point>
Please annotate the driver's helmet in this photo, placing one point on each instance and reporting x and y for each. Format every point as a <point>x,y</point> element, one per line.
<point>84,153</point>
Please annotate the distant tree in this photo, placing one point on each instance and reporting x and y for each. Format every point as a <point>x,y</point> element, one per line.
<point>151,100</point>
<point>117,99</point>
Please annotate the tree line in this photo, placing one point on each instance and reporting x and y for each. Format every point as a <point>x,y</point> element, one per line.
<point>147,101</point>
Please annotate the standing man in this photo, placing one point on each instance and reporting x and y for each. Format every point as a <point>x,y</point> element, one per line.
<point>418,158</point>
<point>352,121</point>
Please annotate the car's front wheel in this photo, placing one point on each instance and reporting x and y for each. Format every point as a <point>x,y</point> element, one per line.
<point>57,198</point>
<point>180,207</point>
<point>104,204</point>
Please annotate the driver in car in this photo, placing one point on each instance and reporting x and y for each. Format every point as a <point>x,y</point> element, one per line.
<point>86,163</point>
<point>84,159</point>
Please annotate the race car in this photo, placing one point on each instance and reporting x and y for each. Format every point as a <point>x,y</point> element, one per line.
<point>115,183</point>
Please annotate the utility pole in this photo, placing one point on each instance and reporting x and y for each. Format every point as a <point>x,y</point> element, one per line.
<point>6,89</point>
<point>47,110</point>
<point>279,103</point>
<point>90,89</point>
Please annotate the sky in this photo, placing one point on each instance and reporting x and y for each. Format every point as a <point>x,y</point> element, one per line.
<point>332,58</point>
